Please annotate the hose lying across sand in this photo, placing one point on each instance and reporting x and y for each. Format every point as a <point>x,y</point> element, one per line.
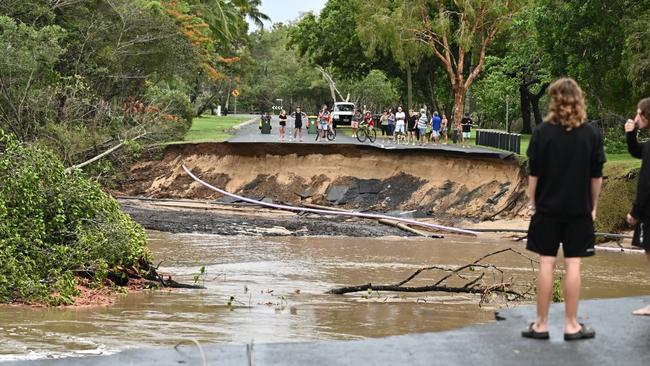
<point>329,212</point>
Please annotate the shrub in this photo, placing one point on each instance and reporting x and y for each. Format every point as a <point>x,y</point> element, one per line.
<point>173,110</point>
<point>52,223</point>
<point>614,140</point>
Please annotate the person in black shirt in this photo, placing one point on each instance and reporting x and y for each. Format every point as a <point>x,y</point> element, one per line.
<point>283,124</point>
<point>566,160</point>
<point>639,217</point>
<point>298,116</point>
<point>466,124</point>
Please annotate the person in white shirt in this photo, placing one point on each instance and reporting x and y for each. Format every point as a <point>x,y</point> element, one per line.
<point>400,118</point>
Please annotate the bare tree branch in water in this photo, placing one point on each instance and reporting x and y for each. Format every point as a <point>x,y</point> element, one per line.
<point>473,286</point>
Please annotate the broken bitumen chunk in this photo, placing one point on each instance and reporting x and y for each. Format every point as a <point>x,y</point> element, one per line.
<point>304,194</point>
<point>351,194</point>
<point>369,186</point>
<point>336,193</point>
<point>494,199</point>
<point>228,199</point>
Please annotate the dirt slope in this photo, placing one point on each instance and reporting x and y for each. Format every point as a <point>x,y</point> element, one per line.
<point>349,176</point>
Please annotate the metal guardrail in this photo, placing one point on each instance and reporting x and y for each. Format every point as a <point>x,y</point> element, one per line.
<point>499,139</point>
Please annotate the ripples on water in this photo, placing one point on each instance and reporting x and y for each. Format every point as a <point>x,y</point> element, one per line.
<point>279,285</point>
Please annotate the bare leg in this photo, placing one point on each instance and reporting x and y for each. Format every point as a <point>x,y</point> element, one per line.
<point>544,292</point>
<point>645,310</point>
<point>571,295</point>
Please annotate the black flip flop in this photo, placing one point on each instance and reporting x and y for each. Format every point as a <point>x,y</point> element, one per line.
<point>583,333</point>
<point>531,333</point>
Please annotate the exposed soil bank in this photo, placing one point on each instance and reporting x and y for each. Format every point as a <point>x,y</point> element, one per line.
<point>350,176</point>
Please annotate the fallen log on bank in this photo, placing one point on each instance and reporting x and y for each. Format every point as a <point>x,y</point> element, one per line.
<point>146,276</point>
<point>330,212</point>
<point>473,286</point>
<point>392,223</point>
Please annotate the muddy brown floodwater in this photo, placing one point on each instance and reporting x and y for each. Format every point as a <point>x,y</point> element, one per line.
<point>278,286</point>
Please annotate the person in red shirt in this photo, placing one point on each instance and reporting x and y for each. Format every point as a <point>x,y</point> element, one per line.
<point>368,120</point>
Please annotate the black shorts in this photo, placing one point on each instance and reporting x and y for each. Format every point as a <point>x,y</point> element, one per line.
<point>640,239</point>
<point>283,123</point>
<point>298,125</point>
<point>546,232</point>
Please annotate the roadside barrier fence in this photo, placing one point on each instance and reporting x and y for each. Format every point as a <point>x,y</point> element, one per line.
<point>499,139</point>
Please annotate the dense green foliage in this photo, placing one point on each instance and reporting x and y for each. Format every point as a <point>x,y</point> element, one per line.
<point>602,44</point>
<point>52,223</point>
<point>81,76</point>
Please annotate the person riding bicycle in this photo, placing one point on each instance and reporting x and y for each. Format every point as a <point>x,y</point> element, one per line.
<point>367,119</point>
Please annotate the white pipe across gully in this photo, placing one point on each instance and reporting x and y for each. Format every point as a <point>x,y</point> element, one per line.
<point>337,213</point>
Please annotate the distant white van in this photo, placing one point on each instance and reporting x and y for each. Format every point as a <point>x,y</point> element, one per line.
<point>342,113</point>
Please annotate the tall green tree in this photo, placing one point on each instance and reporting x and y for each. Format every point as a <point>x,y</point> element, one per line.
<point>380,29</point>
<point>27,63</point>
<point>459,34</point>
<point>587,41</point>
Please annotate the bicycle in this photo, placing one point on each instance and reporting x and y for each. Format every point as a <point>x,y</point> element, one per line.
<point>331,134</point>
<point>365,132</point>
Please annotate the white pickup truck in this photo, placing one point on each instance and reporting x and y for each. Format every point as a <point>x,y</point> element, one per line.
<point>342,113</point>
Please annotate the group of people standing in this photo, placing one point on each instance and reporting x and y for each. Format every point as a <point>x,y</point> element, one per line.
<point>566,158</point>
<point>298,117</point>
<point>396,127</point>
<point>402,128</point>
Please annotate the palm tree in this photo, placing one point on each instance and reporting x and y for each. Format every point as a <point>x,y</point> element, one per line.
<point>251,9</point>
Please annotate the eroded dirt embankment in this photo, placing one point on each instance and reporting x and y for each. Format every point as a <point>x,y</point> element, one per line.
<point>350,176</point>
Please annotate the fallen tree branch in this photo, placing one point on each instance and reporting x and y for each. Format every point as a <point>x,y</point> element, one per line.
<point>332,85</point>
<point>105,153</point>
<point>471,287</point>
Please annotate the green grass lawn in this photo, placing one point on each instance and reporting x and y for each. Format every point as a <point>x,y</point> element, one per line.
<point>212,128</point>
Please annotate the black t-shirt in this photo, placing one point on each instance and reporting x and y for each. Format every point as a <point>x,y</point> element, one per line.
<point>297,116</point>
<point>641,207</point>
<point>411,121</point>
<point>466,122</point>
<point>564,163</point>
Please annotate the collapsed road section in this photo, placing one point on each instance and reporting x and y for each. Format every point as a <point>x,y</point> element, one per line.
<point>425,182</point>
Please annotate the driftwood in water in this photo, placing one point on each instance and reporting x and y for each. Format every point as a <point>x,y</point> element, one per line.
<point>473,286</point>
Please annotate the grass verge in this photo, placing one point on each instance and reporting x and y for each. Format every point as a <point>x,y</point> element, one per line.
<point>213,128</point>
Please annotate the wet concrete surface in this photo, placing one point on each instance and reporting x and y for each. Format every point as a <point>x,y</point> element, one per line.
<point>250,133</point>
<point>621,339</point>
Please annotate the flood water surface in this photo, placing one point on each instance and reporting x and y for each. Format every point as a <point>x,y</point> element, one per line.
<point>273,290</point>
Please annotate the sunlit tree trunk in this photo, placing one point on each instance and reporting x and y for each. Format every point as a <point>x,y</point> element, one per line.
<point>409,86</point>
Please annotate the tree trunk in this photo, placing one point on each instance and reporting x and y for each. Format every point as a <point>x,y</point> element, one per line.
<point>534,101</point>
<point>228,95</point>
<point>459,105</point>
<point>409,86</point>
<point>206,105</point>
<point>525,109</point>
<point>432,94</point>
